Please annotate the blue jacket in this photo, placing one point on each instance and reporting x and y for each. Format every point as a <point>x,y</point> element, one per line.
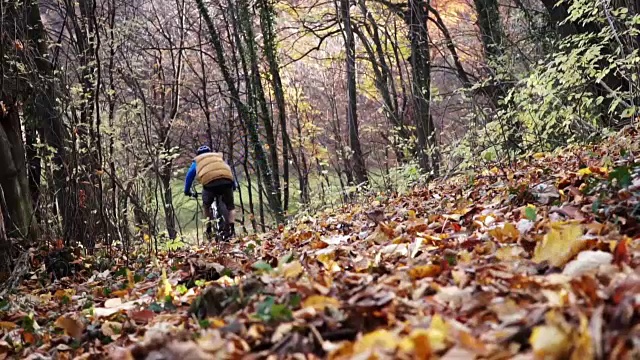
<point>191,175</point>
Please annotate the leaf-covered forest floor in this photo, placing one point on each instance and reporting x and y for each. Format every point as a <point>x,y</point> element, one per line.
<point>537,259</point>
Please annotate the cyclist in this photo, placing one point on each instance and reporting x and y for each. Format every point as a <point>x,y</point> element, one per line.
<point>210,169</point>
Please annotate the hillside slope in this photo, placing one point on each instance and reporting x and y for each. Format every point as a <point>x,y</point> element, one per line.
<point>537,259</point>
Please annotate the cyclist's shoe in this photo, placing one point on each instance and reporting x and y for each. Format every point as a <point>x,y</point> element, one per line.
<point>209,233</point>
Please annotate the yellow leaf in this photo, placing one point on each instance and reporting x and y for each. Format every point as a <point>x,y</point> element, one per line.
<point>320,302</point>
<point>438,331</point>
<point>329,263</point>
<point>584,171</point>
<point>583,344</point>
<point>507,232</point>
<point>421,343</point>
<point>146,238</point>
<point>560,244</point>
<point>72,327</point>
<point>464,257</point>
<point>60,294</point>
<point>131,281</point>
<point>509,253</point>
<point>216,322</point>
<point>549,341</point>
<point>538,155</point>
<point>423,271</point>
<point>379,340</point>
<point>342,350</point>
<point>292,269</point>
<point>165,288</point>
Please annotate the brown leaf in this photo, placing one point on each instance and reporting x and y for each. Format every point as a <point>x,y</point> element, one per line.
<point>423,271</point>
<point>621,252</point>
<point>71,326</point>
<point>7,325</point>
<point>142,316</point>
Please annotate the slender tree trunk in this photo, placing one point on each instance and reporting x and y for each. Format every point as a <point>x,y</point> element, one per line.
<point>15,200</point>
<point>246,114</point>
<point>421,69</point>
<point>357,163</point>
<point>267,18</point>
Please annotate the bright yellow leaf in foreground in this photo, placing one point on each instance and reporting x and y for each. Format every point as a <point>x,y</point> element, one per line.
<point>560,244</point>
<point>378,340</point>
<point>549,342</point>
<point>165,287</point>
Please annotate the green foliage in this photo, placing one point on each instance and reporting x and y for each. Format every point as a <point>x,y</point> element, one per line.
<point>530,213</point>
<point>262,266</point>
<point>563,97</point>
<point>555,103</point>
<point>268,311</point>
<point>621,175</point>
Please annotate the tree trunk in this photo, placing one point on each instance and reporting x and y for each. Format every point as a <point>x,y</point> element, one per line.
<point>14,197</point>
<point>358,167</point>
<point>421,68</point>
<point>246,114</point>
<point>267,15</point>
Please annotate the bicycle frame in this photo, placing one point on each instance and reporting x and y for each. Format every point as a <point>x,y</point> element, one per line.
<point>218,220</point>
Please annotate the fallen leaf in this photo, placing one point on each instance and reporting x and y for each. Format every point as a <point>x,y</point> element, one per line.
<point>292,269</point>
<point>111,328</point>
<point>164,289</point>
<point>379,340</point>
<point>7,325</point>
<point>335,240</point>
<point>423,271</point>
<point>113,303</point>
<point>71,326</point>
<point>549,341</point>
<point>320,302</point>
<point>507,253</point>
<point>120,293</point>
<point>142,316</point>
<point>587,261</point>
<point>559,245</point>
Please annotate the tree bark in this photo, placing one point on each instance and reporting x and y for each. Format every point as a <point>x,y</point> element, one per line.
<point>357,164</point>
<point>428,151</point>
<point>246,114</point>
<point>14,196</point>
<point>267,15</point>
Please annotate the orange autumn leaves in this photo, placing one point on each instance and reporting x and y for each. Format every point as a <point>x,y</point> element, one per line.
<point>418,343</point>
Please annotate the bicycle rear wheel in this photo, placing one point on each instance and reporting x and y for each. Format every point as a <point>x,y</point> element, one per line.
<point>222,233</point>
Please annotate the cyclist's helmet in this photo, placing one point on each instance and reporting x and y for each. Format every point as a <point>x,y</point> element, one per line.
<point>203,149</point>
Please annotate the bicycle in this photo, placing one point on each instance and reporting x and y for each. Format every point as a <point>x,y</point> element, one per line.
<point>218,219</point>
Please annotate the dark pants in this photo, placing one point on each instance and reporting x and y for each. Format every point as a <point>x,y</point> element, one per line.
<point>222,188</point>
